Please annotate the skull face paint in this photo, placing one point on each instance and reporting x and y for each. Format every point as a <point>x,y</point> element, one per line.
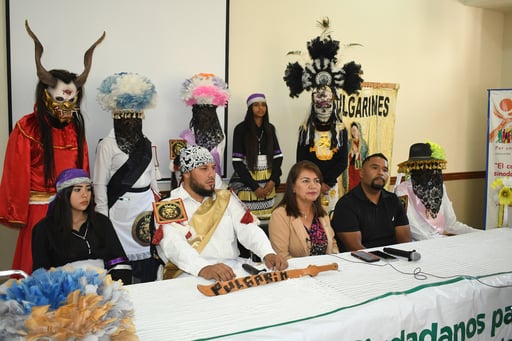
<point>61,101</point>
<point>323,103</point>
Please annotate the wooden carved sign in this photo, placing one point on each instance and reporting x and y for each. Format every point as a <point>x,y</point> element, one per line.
<point>225,287</point>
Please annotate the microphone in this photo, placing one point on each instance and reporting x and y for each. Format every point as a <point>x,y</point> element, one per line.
<point>410,255</point>
<point>251,269</point>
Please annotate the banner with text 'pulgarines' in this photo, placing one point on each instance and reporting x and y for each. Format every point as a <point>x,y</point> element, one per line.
<point>370,120</point>
<point>499,159</point>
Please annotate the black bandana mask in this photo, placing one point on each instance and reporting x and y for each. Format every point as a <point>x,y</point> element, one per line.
<point>427,184</point>
<point>128,133</point>
<point>207,130</point>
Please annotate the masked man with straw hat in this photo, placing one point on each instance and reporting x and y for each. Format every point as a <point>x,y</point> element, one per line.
<point>429,210</point>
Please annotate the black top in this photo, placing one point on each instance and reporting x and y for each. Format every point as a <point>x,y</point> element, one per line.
<point>355,212</point>
<point>240,152</point>
<point>96,240</point>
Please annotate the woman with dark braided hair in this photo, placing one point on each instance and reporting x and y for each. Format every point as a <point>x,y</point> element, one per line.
<point>42,144</point>
<point>429,210</point>
<point>256,158</point>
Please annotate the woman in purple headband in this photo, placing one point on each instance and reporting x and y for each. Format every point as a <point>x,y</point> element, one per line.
<point>72,233</point>
<point>256,158</point>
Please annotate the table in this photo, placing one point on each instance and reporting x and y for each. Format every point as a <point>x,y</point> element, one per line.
<point>448,292</point>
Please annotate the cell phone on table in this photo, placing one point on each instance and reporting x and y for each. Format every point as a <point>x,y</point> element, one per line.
<point>382,255</point>
<point>366,256</point>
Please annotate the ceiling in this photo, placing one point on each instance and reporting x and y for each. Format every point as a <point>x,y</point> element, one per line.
<point>497,5</point>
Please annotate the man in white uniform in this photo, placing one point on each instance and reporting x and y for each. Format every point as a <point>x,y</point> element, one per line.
<point>214,220</point>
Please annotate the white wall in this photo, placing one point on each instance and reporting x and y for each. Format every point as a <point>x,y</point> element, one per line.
<point>507,52</point>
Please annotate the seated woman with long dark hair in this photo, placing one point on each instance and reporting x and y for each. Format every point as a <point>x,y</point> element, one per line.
<point>72,233</point>
<point>300,226</point>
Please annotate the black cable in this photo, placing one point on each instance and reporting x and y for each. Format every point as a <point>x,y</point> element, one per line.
<point>422,275</point>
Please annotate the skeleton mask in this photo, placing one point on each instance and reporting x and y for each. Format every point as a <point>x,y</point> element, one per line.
<point>323,103</point>
<point>61,101</point>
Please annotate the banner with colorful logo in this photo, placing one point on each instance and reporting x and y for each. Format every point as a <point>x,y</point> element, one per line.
<point>370,120</point>
<point>499,159</point>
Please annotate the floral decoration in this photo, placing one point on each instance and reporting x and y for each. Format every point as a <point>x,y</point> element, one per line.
<point>503,197</point>
<point>437,151</point>
<point>205,89</point>
<point>503,187</point>
<point>126,91</point>
<point>65,304</point>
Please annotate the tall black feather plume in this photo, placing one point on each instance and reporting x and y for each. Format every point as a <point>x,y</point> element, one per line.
<point>353,80</point>
<point>323,48</point>
<point>323,70</point>
<point>293,78</point>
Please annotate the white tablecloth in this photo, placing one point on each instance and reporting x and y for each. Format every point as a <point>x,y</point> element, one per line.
<point>446,288</point>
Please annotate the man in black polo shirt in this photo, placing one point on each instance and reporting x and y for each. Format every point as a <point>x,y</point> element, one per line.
<point>369,216</point>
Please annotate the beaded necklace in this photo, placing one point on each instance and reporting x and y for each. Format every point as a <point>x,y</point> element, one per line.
<point>84,237</point>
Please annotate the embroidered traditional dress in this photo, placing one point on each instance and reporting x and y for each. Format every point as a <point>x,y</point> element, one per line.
<point>251,179</point>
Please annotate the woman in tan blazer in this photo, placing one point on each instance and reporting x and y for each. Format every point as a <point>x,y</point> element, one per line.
<point>300,226</point>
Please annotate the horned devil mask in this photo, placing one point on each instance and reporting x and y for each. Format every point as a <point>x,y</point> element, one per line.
<point>61,98</point>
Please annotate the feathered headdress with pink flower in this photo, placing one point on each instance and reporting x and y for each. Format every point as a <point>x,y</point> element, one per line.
<point>205,88</point>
